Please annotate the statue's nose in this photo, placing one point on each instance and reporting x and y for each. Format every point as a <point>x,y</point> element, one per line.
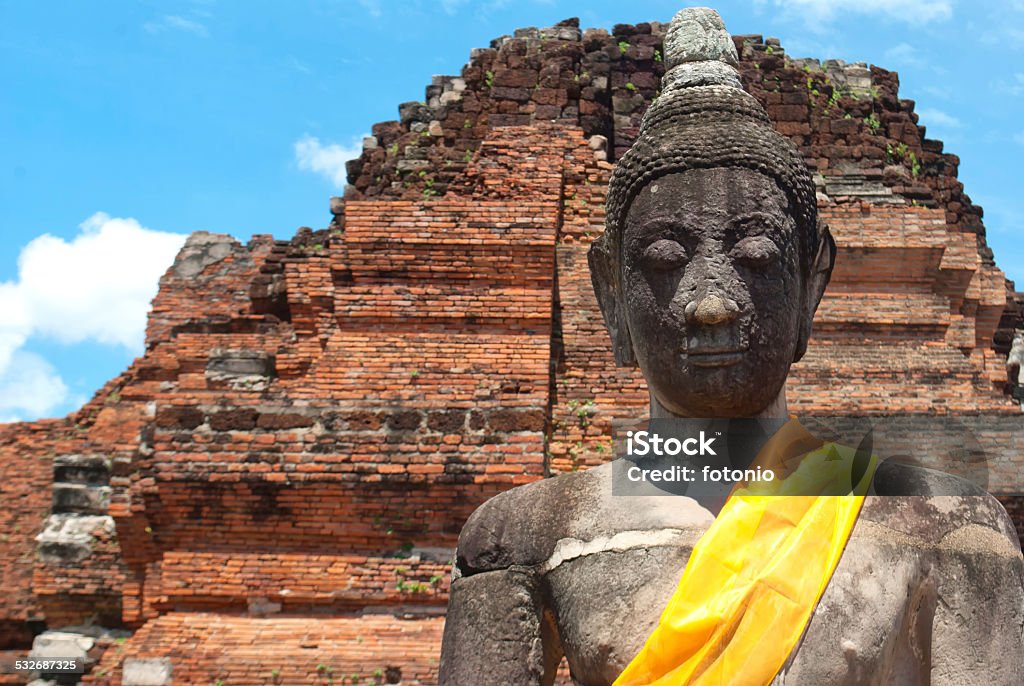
<point>711,309</point>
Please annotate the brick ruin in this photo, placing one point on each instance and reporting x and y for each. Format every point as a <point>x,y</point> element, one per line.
<point>272,493</point>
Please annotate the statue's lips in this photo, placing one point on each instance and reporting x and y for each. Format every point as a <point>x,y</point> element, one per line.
<point>714,357</point>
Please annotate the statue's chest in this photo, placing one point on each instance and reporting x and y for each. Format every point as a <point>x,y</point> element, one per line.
<point>869,627</point>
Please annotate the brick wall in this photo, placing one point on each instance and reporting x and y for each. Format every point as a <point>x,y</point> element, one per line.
<point>25,493</point>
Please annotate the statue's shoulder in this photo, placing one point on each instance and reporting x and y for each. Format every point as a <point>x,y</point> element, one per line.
<point>939,510</point>
<point>521,526</point>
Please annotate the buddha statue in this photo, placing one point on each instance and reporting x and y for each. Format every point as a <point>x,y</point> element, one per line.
<point>1015,367</point>
<point>708,275</point>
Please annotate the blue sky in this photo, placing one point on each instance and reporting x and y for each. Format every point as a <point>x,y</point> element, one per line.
<point>127,125</point>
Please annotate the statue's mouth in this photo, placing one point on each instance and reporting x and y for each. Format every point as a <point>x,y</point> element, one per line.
<point>714,357</point>
<point>716,347</point>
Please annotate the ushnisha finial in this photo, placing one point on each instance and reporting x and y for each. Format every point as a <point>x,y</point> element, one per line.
<point>697,34</point>
<point>699,51</point>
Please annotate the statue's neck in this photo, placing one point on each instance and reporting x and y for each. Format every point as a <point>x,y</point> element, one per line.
<point>777,409</point>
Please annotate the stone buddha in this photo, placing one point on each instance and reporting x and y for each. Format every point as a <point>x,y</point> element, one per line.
<point>1015,366</point>
<point>708,275</point>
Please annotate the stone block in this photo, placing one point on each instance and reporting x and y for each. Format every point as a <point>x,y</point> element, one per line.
<point>69,538</point>
<point>405,421</point>
<point>408,165</point>
<point>239,419</point>
<point>261,607</point>
<point>516,420</point>
<point>226,365</point>
<point>284,420</point>
<point>358,420</point>
<point>51,644</point>
<point>566,33</point>
<point>146,671</point>
<point>515,78</point>
<point>547,112</point>
<point>81,498</point>
<point>178,417</point>
<point>497,120</point>
<point>551,96</point>
<point>409,112</point>
<point>84,469</point>
<point>201,250</point>
<point>845,126</point>
<point>514,94</point>
<point>447,421</point>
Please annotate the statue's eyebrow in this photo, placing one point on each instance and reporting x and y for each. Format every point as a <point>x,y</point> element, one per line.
<point>760,221</point>
<point>666,222</point>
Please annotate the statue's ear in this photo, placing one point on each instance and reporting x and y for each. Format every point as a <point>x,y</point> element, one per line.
<point>605,279</point>
<point>817,280</point>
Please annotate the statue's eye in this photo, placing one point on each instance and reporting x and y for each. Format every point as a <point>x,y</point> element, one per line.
<point>756,251</point>
<point>664,255</point>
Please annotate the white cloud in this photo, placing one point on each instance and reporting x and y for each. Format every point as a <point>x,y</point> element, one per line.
<point>172,22</point>
<point>943,92</point>
<point>904,54</point>
<point>938,119</point>
<point>298,65</point>
<point>1014,87</point>
<point>326,160</point>
<point>452,6</point>
<point>372,7</point>
<point>1019,137</point>
<point>96,287</point>
<point>30,387</point>
<point>820,12</point>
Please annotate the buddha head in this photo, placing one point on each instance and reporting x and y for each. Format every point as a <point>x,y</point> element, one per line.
<point>713,260</point>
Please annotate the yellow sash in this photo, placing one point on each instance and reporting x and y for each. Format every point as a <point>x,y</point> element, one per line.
<point>756,575</point>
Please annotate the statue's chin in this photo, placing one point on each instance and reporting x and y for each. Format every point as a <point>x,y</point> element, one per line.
<point>717,411</point>
<point>718,398</point>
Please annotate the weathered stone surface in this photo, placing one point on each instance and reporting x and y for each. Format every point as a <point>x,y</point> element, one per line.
<point>495,626</point>
<point>84,469</point>
<point>404,421</point>
<point>609,564</point>
<point>410,112</point>
<point>240,419</point>
<point>81,498</point>
<point>512,420</point>
<point>448,421</point>
<point>689,74</point>
<point>261,607</point>
<point>1015,367</point>
<point>68,538</point>
<point>146,672</point>
<point>50,644</point>
<point>696,35</point>
<point>201,250</point>
<point>177,416</point>
<point>284,420</point>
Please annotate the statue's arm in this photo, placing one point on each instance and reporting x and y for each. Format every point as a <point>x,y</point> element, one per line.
<point>497,631</point>
<point>979,623</point>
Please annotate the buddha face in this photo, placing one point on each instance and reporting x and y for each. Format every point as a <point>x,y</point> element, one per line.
<point>714,295</point>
